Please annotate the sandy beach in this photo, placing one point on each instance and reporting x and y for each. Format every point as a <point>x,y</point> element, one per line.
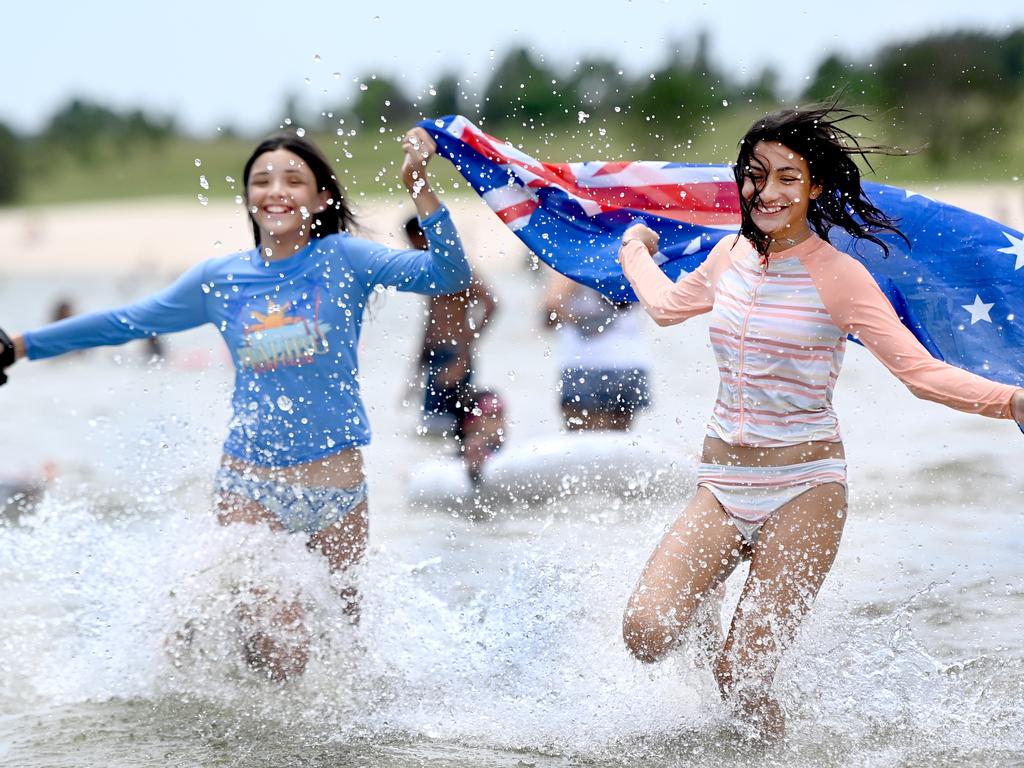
<point>166,236</point>
<point>163,236</point>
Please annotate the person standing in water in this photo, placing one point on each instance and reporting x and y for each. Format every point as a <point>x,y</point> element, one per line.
<point>772,483</point>
<point>481,432</point>
<point>454,323</point>
<point>602,356</point>
<point>290,311</point>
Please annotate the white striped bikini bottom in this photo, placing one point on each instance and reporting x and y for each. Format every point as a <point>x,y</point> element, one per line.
<point>751,495</point>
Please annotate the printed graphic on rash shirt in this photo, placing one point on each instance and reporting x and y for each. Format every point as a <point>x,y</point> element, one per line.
<point>276,335</point>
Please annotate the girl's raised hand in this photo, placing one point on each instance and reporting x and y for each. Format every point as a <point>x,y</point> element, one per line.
<point>644,234</point>
<point>419,147</point>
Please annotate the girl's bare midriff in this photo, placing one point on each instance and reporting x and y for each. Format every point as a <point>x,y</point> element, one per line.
<point>339,470</point>
<point>717,451</point>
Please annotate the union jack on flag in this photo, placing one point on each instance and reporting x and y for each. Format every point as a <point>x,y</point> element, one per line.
<point>959,288</point>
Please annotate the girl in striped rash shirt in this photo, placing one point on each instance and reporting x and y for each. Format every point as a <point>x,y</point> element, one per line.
<point>772,482</point>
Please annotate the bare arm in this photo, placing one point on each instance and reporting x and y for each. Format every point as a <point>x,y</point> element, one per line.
<point>667,302</point>
<point>419,149</point>
<point>557,294</point>
<point>480,296</point>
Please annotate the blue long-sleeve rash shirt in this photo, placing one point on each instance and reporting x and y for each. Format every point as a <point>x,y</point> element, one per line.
<point>292,326</point>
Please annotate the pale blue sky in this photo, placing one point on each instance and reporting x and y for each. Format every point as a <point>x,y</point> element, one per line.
<point>232,63</point>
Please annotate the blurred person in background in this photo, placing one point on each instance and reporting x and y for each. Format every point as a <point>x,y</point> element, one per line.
<point>602,356</point>
<point>454,324</point>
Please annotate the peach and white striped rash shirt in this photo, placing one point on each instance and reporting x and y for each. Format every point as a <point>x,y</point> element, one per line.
<point>779,332</point>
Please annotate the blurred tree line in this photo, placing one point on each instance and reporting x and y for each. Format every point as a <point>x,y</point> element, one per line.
<point>79,130</point>
<point>946,93</point>
<point>949,93</point>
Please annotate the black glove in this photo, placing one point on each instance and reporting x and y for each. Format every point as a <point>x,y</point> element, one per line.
<point>6,355</point>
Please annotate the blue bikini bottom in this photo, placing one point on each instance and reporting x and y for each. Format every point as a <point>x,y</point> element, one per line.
<point>300,509</point>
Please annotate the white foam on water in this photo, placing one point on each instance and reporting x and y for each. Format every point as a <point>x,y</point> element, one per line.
<point>485,643</point>
<point>507,639</point>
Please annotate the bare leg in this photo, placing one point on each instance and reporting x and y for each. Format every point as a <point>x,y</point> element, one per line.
<point>690,563</point>
<point>614,419</point>
<point>708,621</point>
<point>268,652</point>
<point>585,419</point>
<point>788,565</point>
<point>279,659</point>
<point>575,419</point>
<point>344,544</point>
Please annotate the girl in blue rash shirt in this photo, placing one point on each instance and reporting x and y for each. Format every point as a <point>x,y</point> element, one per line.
<point>290,311</point>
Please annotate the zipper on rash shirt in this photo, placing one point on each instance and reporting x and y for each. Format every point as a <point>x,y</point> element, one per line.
<point>743,348</point>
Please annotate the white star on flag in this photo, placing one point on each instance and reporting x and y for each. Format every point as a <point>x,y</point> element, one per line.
<point>979,310</point>
<point>1015,248</point>
<point>909,193</point>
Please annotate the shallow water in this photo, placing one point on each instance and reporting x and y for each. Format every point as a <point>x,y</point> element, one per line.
<point>482,643</point>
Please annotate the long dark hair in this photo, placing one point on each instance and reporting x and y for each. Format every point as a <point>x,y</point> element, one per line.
<point>337,216</point>
<point>815,133</point>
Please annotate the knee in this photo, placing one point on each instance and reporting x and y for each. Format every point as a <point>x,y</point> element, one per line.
<point>646,636</point>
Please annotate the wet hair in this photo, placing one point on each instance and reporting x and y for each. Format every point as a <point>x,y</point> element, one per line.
<point>413,228</point>
<point>415,235</point>
<point>815,134</point>
<point>337,216</point>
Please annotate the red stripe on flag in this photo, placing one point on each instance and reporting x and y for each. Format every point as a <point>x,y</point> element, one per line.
<point>706,197</point>
<point>615,167</point>
<point>705,203</point>
<point>517,211</point>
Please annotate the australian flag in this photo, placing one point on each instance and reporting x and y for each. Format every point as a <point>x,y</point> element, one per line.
<point>959,288</point>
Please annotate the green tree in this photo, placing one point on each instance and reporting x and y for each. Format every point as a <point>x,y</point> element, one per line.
<point>11,168</point>
<point>521,88</point>
<point>79,126</point>
<point>852,83</point>
<point>381,102</point>
<point>291,111</point>
<point>953,90</point>
<point>687,91</point>
<point>82,128</point>
<point>765,88</point>
<point>597,85</point>
<point>445,98</point>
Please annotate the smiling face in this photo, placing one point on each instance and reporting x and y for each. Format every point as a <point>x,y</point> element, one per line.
<point>283,198</point>
<point>778,181</point>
